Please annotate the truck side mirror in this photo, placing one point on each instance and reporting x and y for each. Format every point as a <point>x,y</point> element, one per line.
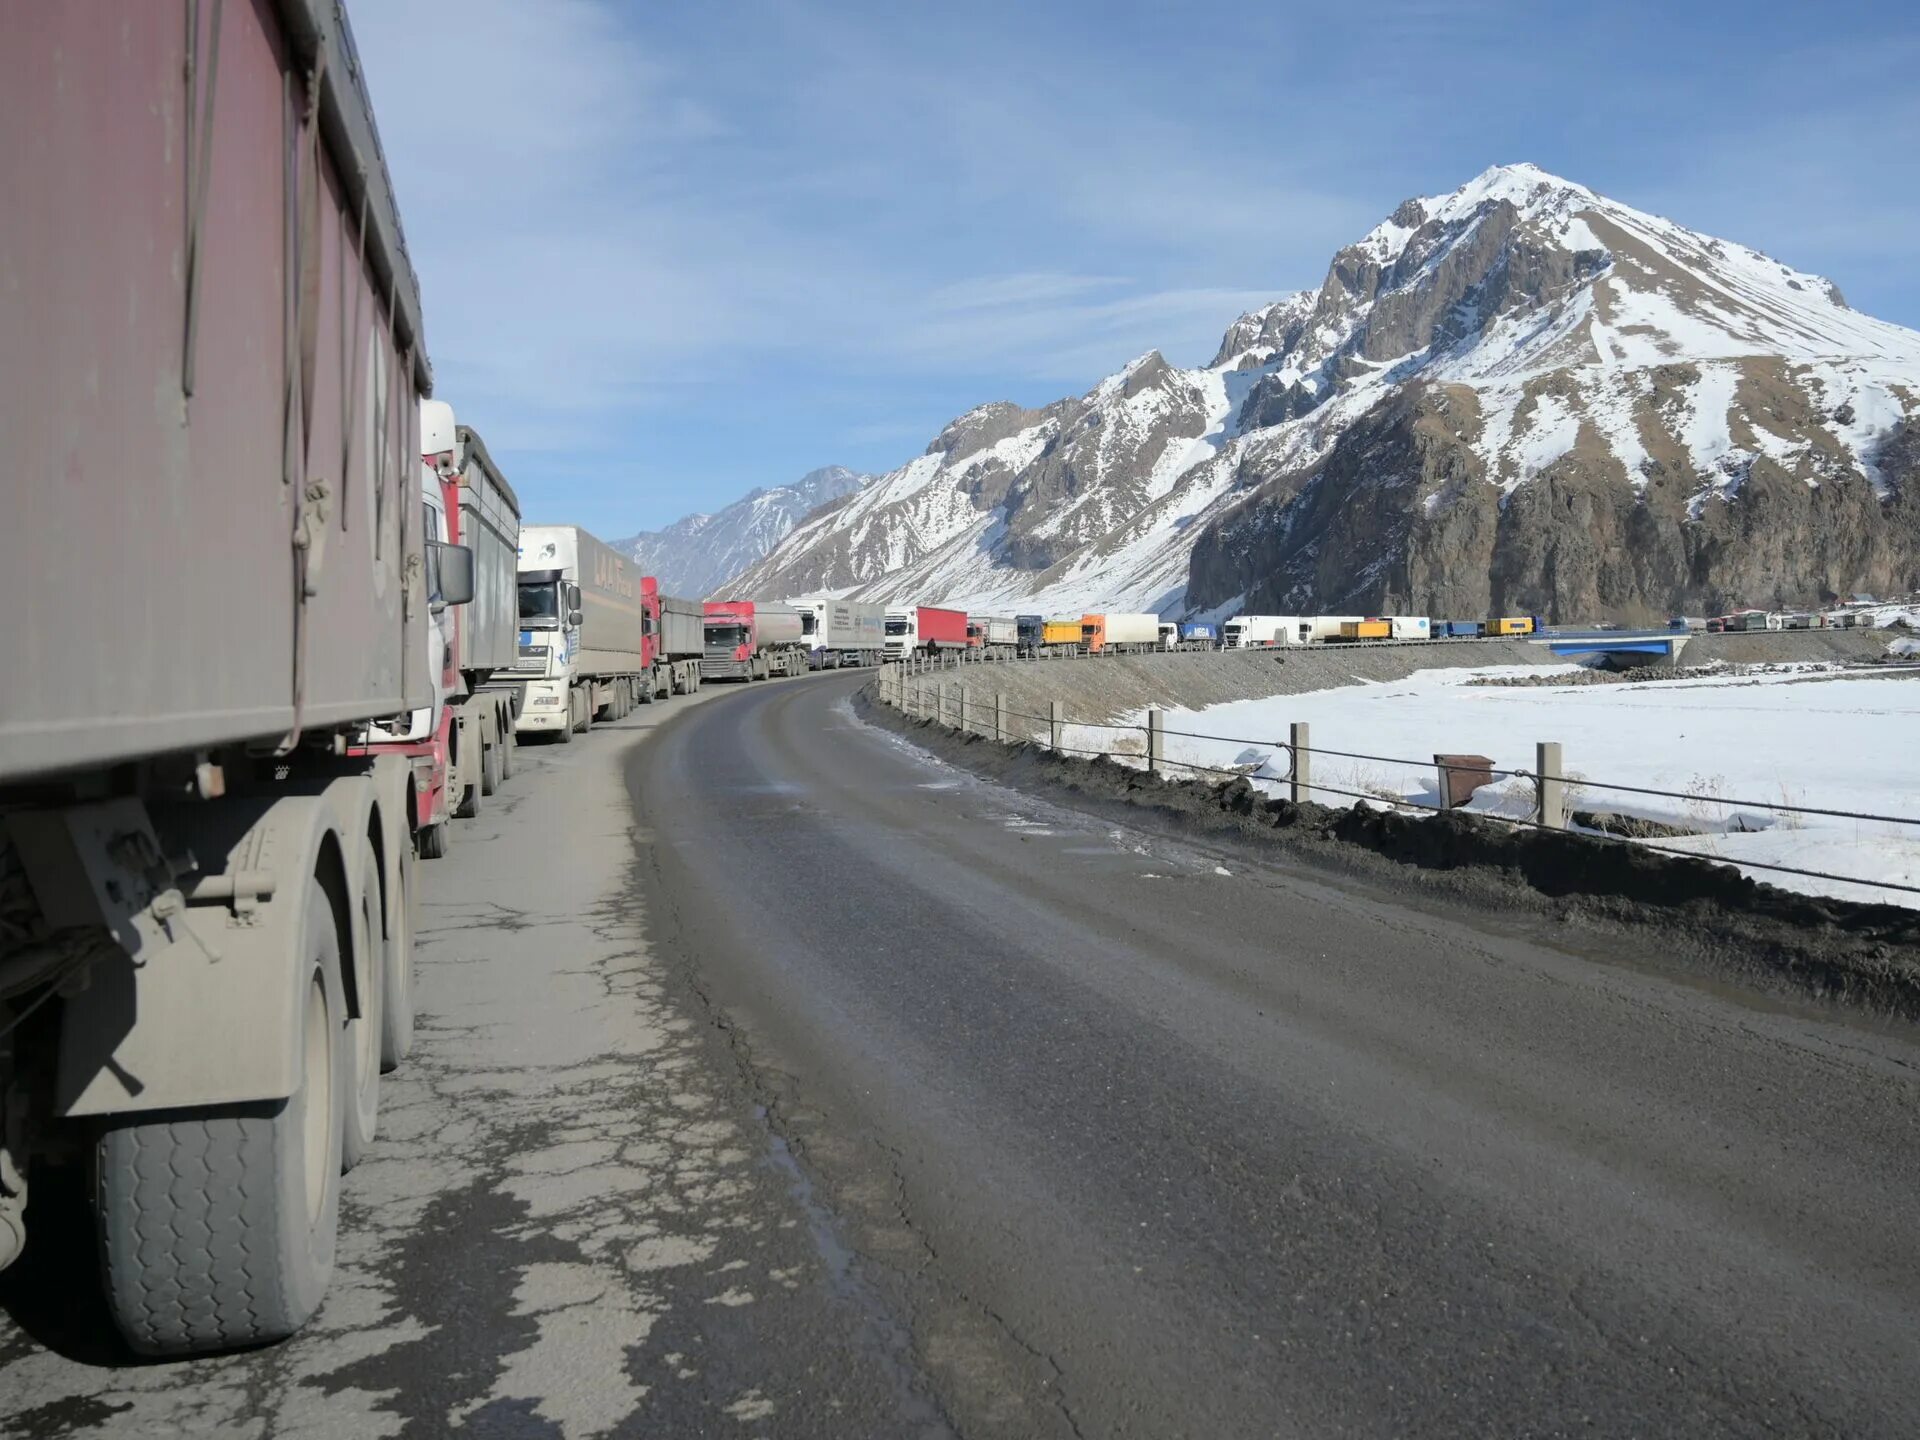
<point>573,597</point>
<point>456,574</point>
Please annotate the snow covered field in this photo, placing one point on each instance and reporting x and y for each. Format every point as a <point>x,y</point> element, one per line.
<point>1729,746</point>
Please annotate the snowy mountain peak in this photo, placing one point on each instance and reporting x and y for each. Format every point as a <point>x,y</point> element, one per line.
<point>1529,328</point>
<point>696,554</point>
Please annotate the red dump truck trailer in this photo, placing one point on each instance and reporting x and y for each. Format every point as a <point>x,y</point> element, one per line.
<point>752,640</point>
<point>675,642</point>
<point>215,576</point>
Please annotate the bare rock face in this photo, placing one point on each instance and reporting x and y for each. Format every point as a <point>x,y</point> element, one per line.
<point>1519,396</point>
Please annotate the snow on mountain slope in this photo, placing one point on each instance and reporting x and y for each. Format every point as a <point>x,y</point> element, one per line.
<point>695,555</point>
<point>1648,390</point>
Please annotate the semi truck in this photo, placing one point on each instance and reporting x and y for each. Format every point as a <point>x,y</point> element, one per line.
<point>1244,632</point>
<point>1117,633</point>
<point>841,632</point>
<point>462,747</point>
<point>215,575</point>
<point>925,630</point>
<point>752,640</point>
<point>673,641</point>
<point>993,637</point>
<point>582,627</point>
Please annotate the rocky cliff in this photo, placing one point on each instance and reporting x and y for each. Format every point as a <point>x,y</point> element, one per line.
<point>1519,396</point>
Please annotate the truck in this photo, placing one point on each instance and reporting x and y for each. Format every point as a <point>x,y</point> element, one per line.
<point>1119,633</point>
<point>1410,627</point>
<point>1199,635</point>
<point>1318,629</point>
<point>993,637</point>
<point>673,641</point>
<point>463,748</point>
<point>925,630</point>
<point>582,653</point>
<point>841,632</point>
<point>216,576</point>
<point>1244,632</point>
<point>1371,628</point>
<point>1511,625</point>
<point>1460,629</point>
<point>1029,634</point>
<point>752,640</point>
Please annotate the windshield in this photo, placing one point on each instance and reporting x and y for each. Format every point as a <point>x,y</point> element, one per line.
<point>540,604</point>
<point>727,635</point>
<point>809,622</point>
<point>896,627</point>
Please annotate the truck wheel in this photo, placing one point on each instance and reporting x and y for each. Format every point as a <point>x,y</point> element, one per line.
<point>361,1112</point>
<point>217,1226</point>
<point>396,974</point>
<point>586,713</point>
<point>433,841</point>
<point>490,767</point>
<point>470,798</point>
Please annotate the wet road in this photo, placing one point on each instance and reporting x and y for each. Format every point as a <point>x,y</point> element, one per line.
<point>1131,1138</point>
<point>776,1080</point>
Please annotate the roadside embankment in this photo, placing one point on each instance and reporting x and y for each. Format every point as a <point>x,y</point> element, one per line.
<point>1704,913</point>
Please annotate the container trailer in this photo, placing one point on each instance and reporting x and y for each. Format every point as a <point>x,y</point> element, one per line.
<point>1195,635</point>
<point>582,653</point>
<point>925,630</point>
<point>841,632</point>
<point>204,863</point>
<point>992,637</point>
<point>1369,629</point>
<point>673,642</point>
<point>1318,629</point>
<point>1510,625</point>
<point>1460,629</point>
<point>1062,636</point>
<point>1410,627</point>
<point>752,640</point>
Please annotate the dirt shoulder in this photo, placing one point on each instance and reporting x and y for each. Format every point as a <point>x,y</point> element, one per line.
<point>1702,916</point>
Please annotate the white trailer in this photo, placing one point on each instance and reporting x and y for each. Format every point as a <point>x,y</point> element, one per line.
<point>1121,633</point>
<point>841,632</point>
<point>583,625</point>
<point>215,575</point>
<point>1411,627</point>
<point>1244,632</point>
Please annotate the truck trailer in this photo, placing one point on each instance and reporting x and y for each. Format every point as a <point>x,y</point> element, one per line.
<point>1119,633</point>
<point>208,948</point>
<point>582,652</point>
<point>838,632</point>
<point>993,637</point>
<point>673,642</point>
<point>925,630</point>
<point>752,640</point>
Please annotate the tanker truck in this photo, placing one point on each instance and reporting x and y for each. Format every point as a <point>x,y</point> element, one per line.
<point>582,654</point>
<point>215,576</point>
<point>752,640</point>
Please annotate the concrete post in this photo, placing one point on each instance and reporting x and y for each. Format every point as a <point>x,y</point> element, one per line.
<point>1553,788</point>
<point>1302,744</point>
<point>1156,742</point>
<point>966,709</point>
<point>1056,724</point>
<point>1000,717</point>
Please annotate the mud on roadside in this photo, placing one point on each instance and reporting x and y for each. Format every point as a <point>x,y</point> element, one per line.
<point>1705,915</point>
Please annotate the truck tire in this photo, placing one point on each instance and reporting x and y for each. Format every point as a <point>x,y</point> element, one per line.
<point>470,795</point>
<point>586,712</point>
<point>396,974</point>
<point>217,1227</point>
<point>433,841</point>
<point>490,768</point>
<point>361,1111</point>
<point>509,741</point>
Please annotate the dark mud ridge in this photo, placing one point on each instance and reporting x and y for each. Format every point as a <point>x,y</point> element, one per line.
<point>1705,913</point>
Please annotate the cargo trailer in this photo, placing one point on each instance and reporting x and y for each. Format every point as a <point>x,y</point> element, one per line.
<point>1510,625</point>
<point>215,416</point>
<point>583,653</point>
<point>673,642</point>
<point>1063,636</point>
<point>1410,627</point>
<point>841,632</point>
<point>1318,629</point>
<point>1369,629</point>
<point>752,640</point>
<point>1119,633</point>
<point>925,630</point>
<point>1460,629</point>
<point>1195,635</point>
<point>993,637</point>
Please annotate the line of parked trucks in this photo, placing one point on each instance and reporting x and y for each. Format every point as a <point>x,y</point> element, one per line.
<point>273,623</point>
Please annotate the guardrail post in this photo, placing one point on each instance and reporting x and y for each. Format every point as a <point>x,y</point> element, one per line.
<point>1301,744</point>
<point>966,709</point>
<point>1056,724</point>
<point>1553,787</point>
<point>1000,716</point>
<point>1156,742</point>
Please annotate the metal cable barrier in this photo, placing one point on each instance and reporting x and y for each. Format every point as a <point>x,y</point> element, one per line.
<point>1572,783</point>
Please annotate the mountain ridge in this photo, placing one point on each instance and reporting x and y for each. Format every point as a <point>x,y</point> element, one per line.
<point>1519,393</point>
<point>697,554</point>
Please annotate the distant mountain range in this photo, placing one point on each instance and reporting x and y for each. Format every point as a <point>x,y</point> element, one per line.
<point>1517,397</point>
<point>695,556</point>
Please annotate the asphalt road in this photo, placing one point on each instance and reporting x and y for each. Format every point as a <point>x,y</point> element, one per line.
<point>777,1080</point>
<point>1129,1138</point>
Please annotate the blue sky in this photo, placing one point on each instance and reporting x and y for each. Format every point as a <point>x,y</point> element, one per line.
<point>671,252</point>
